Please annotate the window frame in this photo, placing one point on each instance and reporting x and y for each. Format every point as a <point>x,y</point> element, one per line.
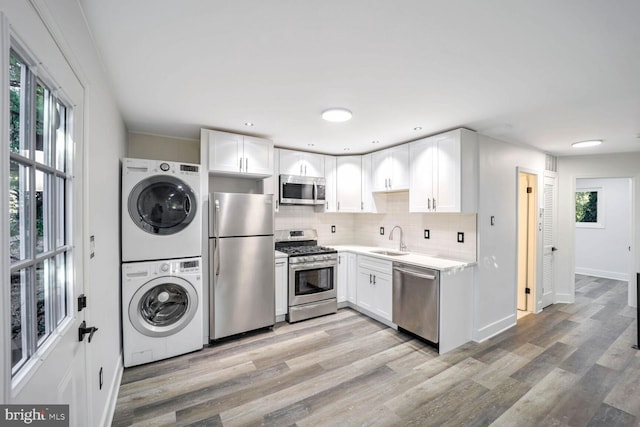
<point>55,323</point>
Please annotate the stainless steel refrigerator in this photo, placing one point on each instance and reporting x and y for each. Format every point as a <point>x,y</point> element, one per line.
<point>242,282</point>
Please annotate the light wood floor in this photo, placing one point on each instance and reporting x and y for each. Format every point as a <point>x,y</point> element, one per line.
<point>571,365</point>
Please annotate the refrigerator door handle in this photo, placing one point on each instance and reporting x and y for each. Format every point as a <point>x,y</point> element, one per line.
<point>216,255</point>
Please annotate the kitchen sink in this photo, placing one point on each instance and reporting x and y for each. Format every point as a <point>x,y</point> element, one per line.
<point>389,253</point>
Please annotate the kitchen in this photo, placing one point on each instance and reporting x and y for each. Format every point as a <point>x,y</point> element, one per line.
<point>109,139</point>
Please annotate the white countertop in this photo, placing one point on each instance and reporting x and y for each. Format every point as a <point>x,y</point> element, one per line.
<point>414,258</point>
<point>281,255</point>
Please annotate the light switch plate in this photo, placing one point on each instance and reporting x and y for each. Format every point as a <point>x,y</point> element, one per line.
<point>460,237</point>
<point>333,228</point>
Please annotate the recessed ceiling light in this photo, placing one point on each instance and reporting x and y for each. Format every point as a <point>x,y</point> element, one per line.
<point>310,145</point>
<point>337,115</point>
<point>583,144</point>
<point>248,124</point>
<point>417,128</point>
<point>375,142</point>
<point>347,149</point>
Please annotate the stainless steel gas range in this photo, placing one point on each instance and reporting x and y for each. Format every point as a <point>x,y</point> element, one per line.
<point>313,274</point>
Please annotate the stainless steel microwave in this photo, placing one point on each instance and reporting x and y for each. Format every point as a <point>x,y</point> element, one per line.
<point>302,190</point>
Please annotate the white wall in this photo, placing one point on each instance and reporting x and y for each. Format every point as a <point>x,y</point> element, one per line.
<point>623,165</point>
<point>496,279</point>
<point>104,145</point>
<point>155,147</point>
<point>604,252</point>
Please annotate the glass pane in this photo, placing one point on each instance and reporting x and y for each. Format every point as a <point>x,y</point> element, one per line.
<point>60,212</point>
<point>61,288</point>
<point>587,206</point>
<point>164,205</point>
<point>164,304</point>
<point>61,137</point>
<point>17,106</point>
<point>19,281</point>
<point>43,298</point>
<point>44,117</point>
<point>43,212</point>
<point>19,207</point>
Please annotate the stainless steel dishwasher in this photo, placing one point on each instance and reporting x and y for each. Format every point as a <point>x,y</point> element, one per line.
<point>416,300</point>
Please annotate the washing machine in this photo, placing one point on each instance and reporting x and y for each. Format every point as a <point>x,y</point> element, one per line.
<point>160,210</point>
<point>161,309</point>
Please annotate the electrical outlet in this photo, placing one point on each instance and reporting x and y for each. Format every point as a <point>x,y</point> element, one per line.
<point>493,220</point>
<point>460,237</point>
<point>333,228</point>
<point>382,231</point>
<point>100,378</point>
<point>427,234</point>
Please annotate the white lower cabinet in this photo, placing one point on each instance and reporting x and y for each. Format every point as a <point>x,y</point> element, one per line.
<point>374,286</point>
<point>352,278</point>
<point>281,286</point>
<point>343,270</point>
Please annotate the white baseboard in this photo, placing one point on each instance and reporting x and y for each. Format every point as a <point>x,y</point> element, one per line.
<point>614,275</point>
<point>564,298</point>
<point>495,328</point>
<point>110,408</point>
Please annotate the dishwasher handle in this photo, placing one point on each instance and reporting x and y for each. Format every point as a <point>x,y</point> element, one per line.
<point>415,274</point>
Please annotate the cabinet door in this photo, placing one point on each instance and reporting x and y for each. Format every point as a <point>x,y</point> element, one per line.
<point>383,295</point>
<point>447,179</point>
<point>380,170</point>
<point>343,276</point>
<point>399,165</point>
<point>330,178</point>
<point>312,164</point>
<point>365,292</point>
<point>421,153</point>
<point>348,182</point>
<point>290,162</point>
<point>281,286</point>
<point>225,152</point>
<point>352,278</point>
<point>258,156</point>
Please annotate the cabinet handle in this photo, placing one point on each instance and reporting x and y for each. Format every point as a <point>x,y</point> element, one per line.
<point>434,204</point>
<point>338,208</point>
<point>361,206</point>
<point>429,203</point>
<point>277,207</point>
<point>246,164</point>
<point>370,280</point>
<point>389,183</point>
<point>374,279</point>
<point>340,260</point>
<point>326,206</point>
<point>240,164</point>
<point>300,168</point>
<point>305,170</point>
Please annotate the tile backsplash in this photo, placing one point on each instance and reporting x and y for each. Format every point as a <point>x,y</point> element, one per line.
<point>364,229</point>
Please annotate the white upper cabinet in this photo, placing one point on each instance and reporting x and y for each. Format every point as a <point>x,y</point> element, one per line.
<point>239,155</point>
<point>390,169</point>
<point>371,202</point>
<point>348,184</point>
<point>444,173</point>
<point>301,163</point>
<point>330,177</point>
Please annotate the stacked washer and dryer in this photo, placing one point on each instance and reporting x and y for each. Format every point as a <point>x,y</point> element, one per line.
<point>162,290</point>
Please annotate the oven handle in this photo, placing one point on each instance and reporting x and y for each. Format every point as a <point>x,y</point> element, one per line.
<point>313,265</point>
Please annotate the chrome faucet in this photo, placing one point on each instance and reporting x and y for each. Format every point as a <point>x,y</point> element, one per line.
<point>403,247</point>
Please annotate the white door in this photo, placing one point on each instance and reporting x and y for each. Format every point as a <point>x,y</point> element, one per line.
<point>313,164</point>
<point>348,183</point>
<point>46,258</point>
<point>549,238</point>
<point>330,183</point>
<point>447,197</point>
<point>290,163</point>
<point>380,170</point>
<point>257,156</point>
<point>399,167</point>
<point>421,155</point>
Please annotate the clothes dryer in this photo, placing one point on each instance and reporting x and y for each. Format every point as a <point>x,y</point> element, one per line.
<point>162,309</point>
<point>160,210</point>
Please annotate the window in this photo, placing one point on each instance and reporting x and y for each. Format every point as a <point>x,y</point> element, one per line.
<point>39,211</point>
<point>589,213</point>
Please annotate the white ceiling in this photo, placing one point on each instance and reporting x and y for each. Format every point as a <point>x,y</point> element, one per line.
<point>544,73</point>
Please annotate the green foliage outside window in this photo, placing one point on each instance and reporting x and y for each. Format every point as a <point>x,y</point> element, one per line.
<point>587,206</point>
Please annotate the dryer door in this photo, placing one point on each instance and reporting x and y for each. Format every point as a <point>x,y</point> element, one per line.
<point>162,205</point>
<point>163,306</point>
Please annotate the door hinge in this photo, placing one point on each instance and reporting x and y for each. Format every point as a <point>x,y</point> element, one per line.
<point>82,302</point>
<point>529,190</point>
<point>527,290</point>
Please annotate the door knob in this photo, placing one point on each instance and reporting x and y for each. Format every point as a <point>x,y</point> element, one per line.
<point>84,330</point>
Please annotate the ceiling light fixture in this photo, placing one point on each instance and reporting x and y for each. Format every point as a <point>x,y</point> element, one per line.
<point>347,149</point>
<point>337,115</point>
<point>310,145</point>
<point>583,144</point>
<point>417,128</point>
<point>375,142</point>
<point>248,124</point>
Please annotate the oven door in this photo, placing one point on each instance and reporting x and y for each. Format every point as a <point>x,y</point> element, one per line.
<point>311,282</point>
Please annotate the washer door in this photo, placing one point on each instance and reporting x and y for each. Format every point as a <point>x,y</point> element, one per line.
<point>163,306</point>
<point>162,205</point>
